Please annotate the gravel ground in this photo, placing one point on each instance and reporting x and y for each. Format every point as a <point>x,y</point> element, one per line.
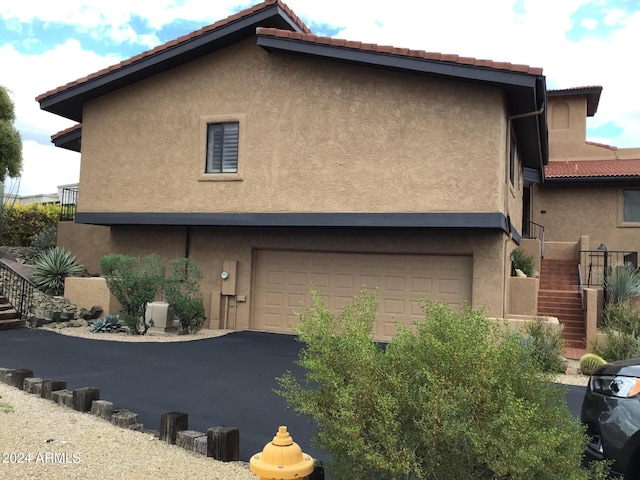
<point>40,439</point>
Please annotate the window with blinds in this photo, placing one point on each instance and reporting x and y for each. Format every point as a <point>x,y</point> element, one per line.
<point>222,147</point>
<point>631,207</point>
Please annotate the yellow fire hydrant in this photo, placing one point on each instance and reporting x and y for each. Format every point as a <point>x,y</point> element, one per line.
<point>281,459</point>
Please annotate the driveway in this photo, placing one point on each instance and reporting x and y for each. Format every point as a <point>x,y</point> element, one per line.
<point>226,380</point>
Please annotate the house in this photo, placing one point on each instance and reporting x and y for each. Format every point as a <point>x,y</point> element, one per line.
<point>589,189</point>
<point>279,160</point>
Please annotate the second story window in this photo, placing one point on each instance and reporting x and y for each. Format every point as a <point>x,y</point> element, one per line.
<point>631,208</point>
<point>222,147</point>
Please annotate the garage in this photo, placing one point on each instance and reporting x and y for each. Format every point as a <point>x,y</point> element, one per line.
<point>283,279</point>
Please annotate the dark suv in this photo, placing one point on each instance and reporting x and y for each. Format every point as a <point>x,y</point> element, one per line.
<point>611,412</point>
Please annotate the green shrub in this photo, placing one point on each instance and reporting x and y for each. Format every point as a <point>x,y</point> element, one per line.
<point>589,362</point>
<point>108,323</point>
<point>46,238</point>
<point>52,268</point>
<point>20,223</point>
<point>458,398</point>
<point>621,325</point>
<point>182,291</point>
<point>524,262</point>
<point>134,281</point>
<point>546,343</point>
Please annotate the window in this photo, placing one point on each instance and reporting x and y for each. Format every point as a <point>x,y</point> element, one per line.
<point>222,147</point>
<point>631,208</point>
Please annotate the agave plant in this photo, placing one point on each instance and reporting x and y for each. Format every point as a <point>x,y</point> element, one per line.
<point>52,268</point>
<point>622,283</point>
<point>108,323</point>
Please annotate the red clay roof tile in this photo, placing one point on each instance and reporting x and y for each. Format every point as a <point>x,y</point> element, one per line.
<point>77,126</point>
<point>339,42</point>
<point>177,41</point>
<point>592,168</point>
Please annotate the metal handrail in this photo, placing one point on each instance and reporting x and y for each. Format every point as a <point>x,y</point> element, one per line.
<point>581,286</point>
<point>17,289</point>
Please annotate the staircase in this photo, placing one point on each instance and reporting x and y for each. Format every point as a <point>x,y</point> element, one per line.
<point>9,316</point>
<point>559,296</point>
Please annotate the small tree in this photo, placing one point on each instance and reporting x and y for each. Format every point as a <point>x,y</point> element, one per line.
<point>182,291</point>
<point>134,281</point>
<point>10,142</point>
<point>459,397</point>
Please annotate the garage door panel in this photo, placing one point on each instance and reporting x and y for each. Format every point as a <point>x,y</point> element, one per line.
<point>283,281</point>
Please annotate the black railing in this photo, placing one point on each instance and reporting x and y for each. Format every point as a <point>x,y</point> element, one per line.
<point>535,231</point>
<point>597,264</point>
<point>17,289</point>
<point>68,204</point>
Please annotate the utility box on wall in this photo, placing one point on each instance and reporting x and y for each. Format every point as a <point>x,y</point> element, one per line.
<point>229,277</point>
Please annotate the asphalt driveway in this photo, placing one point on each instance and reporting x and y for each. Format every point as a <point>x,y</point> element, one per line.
<point>226,380</point>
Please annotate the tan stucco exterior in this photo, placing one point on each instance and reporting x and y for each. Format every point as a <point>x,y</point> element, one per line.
<point>89,292</point>
<point>569,211</point>
<point>210,247</point>
<point>314,137</point>
<point>523,296</point>
<point>87,242</point>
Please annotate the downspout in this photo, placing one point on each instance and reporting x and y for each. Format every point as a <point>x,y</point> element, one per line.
<point>505,286</point>
<point>187,242</point>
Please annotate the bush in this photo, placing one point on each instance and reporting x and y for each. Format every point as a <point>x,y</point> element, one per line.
<point>622,328</point>
<point>622,284</point>
<point>182,290</point>
<point>458,398</point>
<point>46,238</point>
<point>52,268</point>
<point>589,362</point>
<point>546,343</point>
<point>134,281</point>
<point>20,223</point>
<point>524,262</point>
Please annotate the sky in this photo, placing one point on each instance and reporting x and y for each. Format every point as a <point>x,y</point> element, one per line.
<point>45,44</point>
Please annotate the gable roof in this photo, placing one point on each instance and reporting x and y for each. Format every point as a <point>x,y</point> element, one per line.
<point>592,92</point>
<point>67,100</point>
<point>588,171</point>
<point>279,29</point>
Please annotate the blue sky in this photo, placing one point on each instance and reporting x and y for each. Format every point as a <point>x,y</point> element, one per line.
<point>576,42</point>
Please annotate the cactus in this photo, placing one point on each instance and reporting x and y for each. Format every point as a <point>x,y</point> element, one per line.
<point>108,323</point>
<point>590,362</point>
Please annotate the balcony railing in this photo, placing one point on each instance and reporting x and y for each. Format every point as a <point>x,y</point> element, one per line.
<point>597,264</point>
<point>68,204</point>
<point>535,231</point>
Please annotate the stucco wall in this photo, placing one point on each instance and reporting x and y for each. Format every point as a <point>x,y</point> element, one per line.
<point>210,247</point>
<point>87,242</point>
<point>596,211</point>
<point>314,136</point>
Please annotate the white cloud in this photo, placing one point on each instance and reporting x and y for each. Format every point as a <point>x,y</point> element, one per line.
<point>45,167</point>
<point>614,17</point>
<point>589,23</point>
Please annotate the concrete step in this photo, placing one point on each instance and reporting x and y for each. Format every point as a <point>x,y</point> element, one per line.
<point>9,314</point>
<point>14,323</point>
<point>548,292</point>
<point>5,306</point>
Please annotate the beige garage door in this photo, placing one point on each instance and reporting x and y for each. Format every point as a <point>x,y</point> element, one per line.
<point>283,280</point>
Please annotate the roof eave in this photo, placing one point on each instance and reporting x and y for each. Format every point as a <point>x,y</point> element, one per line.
<point>69,102</point>
<point>525,92</point>
<point>70,141</point>
<point>588,180</point>
<point>592,94</point>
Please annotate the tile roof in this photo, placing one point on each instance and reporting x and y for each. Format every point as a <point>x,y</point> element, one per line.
<point>442,57</point>
<point>576,89</point>
<point>177,41</point>
<point>603,145</point>
<point>71,129</point>
<point>593,168</point>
